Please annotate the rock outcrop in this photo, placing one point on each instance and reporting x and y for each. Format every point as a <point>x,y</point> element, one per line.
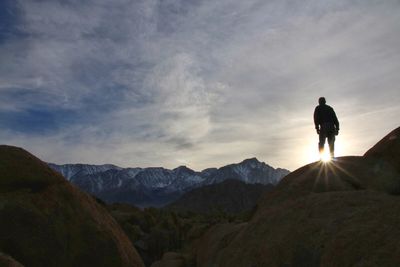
<point>343,213</point>
<point>387,149</point>
<point>46,221</point>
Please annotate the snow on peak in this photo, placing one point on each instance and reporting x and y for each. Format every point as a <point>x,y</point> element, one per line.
<point>100,179</point>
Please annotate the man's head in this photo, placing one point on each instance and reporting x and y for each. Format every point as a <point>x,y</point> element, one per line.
<point>322,101</point>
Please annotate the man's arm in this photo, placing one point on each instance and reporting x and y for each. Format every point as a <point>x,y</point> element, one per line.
<point>335,120</point>
<point>316,119</point>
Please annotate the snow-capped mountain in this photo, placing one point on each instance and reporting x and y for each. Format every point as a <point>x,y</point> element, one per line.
<point>159,186</point>
<point>250,171</point>
<point>71,170</point>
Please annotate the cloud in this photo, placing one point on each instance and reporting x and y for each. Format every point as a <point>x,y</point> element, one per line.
<point>141,83</point>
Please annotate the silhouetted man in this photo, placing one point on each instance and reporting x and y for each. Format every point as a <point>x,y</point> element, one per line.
<point>326,124</point>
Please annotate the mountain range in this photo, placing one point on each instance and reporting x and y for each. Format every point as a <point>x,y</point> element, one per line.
<point>156,186</point>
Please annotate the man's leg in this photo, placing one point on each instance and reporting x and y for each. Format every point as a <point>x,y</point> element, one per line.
<point>321,143</point>
<point>331,142</point>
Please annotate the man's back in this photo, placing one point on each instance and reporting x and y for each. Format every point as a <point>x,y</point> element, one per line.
<point>325,114</point>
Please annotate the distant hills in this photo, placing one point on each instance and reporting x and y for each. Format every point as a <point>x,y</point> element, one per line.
<point>230,196</point>
<point>159,186</point>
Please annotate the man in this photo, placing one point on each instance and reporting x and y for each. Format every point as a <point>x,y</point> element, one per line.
<point>326,124</point>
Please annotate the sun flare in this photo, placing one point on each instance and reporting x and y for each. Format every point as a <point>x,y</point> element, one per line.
<point>325,156</point>
<point>311,153</point>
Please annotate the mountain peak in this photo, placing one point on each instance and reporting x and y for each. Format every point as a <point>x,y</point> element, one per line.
<point>180,168</point>
<point>251,160</point>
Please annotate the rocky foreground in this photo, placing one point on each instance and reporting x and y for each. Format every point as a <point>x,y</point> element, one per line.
<point>344,213</point>
<point>46,221</point>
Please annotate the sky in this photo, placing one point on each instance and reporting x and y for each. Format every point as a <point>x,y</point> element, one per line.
<point>198,83</point>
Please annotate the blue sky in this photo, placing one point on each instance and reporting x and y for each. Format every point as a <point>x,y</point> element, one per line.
<point>199,83</point>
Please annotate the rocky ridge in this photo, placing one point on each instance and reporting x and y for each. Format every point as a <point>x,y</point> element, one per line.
<point>343,213</point>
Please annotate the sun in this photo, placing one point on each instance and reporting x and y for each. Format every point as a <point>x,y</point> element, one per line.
<point>325,156</point>
<point>311,154</point>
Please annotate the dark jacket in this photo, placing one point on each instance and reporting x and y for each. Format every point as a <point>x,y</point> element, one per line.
<point>325,115</point>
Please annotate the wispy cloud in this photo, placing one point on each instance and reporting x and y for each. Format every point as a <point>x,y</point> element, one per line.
<point>203,83</point>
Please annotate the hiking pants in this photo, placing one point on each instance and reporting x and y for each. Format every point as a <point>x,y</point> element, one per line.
<point>327,132</point>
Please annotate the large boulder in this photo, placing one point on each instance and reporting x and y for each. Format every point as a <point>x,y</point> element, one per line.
<point>46,221</point>
<point>343,213</point>
<point>388,149</point>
